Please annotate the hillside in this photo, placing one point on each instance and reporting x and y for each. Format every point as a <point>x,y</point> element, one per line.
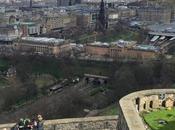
<point>27,94</point>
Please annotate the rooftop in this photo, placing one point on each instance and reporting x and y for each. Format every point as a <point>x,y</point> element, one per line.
<point>43,40</point>
<point>168,28</point>
<point>109,1</point>
<point>147,47</point>
<point>99,44</point>
<point>127,44</point>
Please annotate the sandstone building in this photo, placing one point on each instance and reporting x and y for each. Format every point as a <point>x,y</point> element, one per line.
<point>120,51</point>
<point>43,46</point>
<point>57,21</point>
<point>155,14</point>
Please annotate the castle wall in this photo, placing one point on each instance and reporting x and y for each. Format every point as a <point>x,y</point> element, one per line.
<point>134,103</point>
<point>89,123</point>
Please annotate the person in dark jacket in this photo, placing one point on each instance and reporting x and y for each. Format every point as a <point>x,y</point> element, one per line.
<point>40,123</point>
<point>21,124</point>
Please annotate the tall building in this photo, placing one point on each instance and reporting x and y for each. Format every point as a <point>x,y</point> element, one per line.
<point>67,2</point>
<point>30,3</point>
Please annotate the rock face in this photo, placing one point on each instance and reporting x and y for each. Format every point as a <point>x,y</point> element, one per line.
<point>89,123</point>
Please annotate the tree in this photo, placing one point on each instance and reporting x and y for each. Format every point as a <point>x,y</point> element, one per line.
<point>144,74</point>
<point>124,81</point>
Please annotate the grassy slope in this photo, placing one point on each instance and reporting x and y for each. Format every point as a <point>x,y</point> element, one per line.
<point>167,115</point>
<point>129,35</point>
<point>44,80</point>
<point>110,110</point>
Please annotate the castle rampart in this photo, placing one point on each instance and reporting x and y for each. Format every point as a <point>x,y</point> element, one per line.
<point>88,123</point>
<point>134,103</point>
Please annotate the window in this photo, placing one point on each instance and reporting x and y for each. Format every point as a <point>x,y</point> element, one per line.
<point>151,104</point>
<point>164,104</point>
<point>144,106</point>
<point>138,103</point>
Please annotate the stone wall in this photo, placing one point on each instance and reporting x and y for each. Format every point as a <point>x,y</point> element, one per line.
<point>89,123</point>
<point>134,103</point>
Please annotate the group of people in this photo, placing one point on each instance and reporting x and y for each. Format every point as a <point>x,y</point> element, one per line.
<point>27,124</point>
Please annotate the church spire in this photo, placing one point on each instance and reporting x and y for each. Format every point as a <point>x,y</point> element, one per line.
<point>102,24</point>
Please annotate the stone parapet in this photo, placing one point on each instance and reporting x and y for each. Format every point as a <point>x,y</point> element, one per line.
<point>88,123</point>
<point>134,103</point>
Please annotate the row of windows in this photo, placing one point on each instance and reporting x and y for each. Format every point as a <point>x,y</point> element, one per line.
<point>37,48</point>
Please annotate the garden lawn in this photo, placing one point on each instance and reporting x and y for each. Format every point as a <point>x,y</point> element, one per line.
<point>153,118</point>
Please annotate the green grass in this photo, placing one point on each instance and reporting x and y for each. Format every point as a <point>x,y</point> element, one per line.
<point>44,80</point>
<point>4,64</point>
<point>110,110</point>
<point>109,37</point>
<point>152,119</point>
<point>129,35</point>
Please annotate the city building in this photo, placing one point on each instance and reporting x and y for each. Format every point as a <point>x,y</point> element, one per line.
<point>157,14</point>
<point>125,12</point>
<point>97,49</point>
<point>121,50</point>
<point>43,46</point>
<point>27,28</point>
<point>58,21</point>
<point>10,31</point>
<point>108,3</point>
<point>9,16</point>
<point>87,18</point>
<point>6,45</point>
<point>137,52</point>
<point>67,2</point>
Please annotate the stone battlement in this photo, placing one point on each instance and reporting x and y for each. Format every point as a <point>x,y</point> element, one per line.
<point>88,123</point>
<point>134,103</point>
